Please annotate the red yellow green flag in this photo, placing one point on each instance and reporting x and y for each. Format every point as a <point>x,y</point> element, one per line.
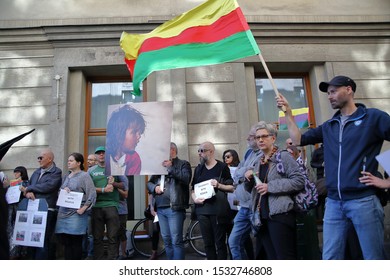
<point>211,33</point>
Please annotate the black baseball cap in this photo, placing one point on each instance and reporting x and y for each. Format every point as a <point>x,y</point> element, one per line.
<point>338,81</point>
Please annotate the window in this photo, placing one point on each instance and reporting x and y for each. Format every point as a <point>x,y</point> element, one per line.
<point>294,88</point>
<point>101,94</point>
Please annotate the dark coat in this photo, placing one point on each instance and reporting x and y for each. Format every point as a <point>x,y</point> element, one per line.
<point>347,149</point>
<point>48,186</point>
<point>176,194</point>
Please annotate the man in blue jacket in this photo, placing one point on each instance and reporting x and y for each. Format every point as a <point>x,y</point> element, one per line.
<point>352,138</point>
<point>44,184</point>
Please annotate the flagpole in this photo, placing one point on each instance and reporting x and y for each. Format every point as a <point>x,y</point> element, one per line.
<point>271,80</point>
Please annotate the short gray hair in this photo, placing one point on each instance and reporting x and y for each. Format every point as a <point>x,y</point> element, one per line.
<point>267,126</point>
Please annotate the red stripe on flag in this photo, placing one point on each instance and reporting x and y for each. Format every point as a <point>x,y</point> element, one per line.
<point>130,66</point>
<point>224,27</point>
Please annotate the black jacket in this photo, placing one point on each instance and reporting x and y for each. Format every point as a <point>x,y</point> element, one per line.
<point>176,186</point>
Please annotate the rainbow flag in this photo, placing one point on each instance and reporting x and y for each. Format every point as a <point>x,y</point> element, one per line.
<point>301,117</point>
<point>211,33</point>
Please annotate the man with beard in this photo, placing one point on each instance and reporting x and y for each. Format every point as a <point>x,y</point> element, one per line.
<point>213,228</point>
<point>352,138</point>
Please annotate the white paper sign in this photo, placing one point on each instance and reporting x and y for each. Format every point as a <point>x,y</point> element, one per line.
<point>33,205</point>
<point>384,160</point>
<point>69,199</point>
<point>30,228</point>
<point>232,170</point>
<point>204,190</point>
<point>13,194</point>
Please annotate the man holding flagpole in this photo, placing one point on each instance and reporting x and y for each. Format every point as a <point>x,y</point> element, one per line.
<point>352,138</point>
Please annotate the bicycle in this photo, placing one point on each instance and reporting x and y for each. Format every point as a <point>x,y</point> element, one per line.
<point>141,238</point>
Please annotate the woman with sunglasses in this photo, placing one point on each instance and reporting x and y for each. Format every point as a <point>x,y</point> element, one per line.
<point>231,158</point>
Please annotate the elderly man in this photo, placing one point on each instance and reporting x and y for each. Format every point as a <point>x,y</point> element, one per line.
<point>44,184</point>
<point>172,201</point>
<point>214,229</point>
<point>240,243</point>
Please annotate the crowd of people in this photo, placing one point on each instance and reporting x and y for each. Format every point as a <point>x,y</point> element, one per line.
<point>347,175</point>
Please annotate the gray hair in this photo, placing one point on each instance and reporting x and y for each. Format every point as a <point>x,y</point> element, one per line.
<point>174,146</point>
<point>271,129</point>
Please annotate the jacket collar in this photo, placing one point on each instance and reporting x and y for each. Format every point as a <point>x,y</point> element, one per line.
<point>360,112</point>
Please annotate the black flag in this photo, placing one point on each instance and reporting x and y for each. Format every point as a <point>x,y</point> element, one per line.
<point>6,145</point>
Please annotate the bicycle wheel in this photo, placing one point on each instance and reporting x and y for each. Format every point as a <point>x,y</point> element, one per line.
<point>141,238</point>
<point>196,239</point>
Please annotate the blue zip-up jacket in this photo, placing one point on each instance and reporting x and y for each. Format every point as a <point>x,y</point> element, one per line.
<point>348,148</point>
<point>48,186</point>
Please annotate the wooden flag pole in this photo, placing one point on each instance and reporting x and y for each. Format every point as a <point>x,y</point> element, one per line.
<point>271,80</point>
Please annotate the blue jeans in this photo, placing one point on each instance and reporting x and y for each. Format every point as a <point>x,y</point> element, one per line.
<point>240,233</point>
<point>171,227</point>
<point>366,215</point>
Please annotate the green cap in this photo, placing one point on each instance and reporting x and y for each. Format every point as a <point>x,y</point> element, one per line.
<point>100,149</point>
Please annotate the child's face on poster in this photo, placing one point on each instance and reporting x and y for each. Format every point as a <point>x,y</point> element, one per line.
<point>131,139</point>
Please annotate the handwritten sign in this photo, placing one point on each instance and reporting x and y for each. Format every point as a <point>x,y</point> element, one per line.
<point>69,199</point>
<point>204,190</point>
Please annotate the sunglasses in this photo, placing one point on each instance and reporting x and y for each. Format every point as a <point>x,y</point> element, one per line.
<point>39,158</point>
<point>228,156</point>
<point>203,150</point>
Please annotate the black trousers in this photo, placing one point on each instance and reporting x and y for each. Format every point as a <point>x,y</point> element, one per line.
<point>277,237</point>
<point>214,237</point>
<point>73,249</point>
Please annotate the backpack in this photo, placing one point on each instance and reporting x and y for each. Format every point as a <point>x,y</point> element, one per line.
<point>307,198</point>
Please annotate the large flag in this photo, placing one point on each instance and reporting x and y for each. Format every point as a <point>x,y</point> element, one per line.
<point>301,117</point>
<point>211,33</point>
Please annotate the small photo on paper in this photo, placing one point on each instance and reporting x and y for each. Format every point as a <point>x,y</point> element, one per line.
<point>20,235</point>
<point>36,236</point>
<point>23,217</point>
<point>37,219</point>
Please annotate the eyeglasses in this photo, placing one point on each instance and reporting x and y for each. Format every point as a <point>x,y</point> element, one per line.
<point>262,137</point>
<point>203,150</point>
<point>228,156</point>
<point>39,158</point>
